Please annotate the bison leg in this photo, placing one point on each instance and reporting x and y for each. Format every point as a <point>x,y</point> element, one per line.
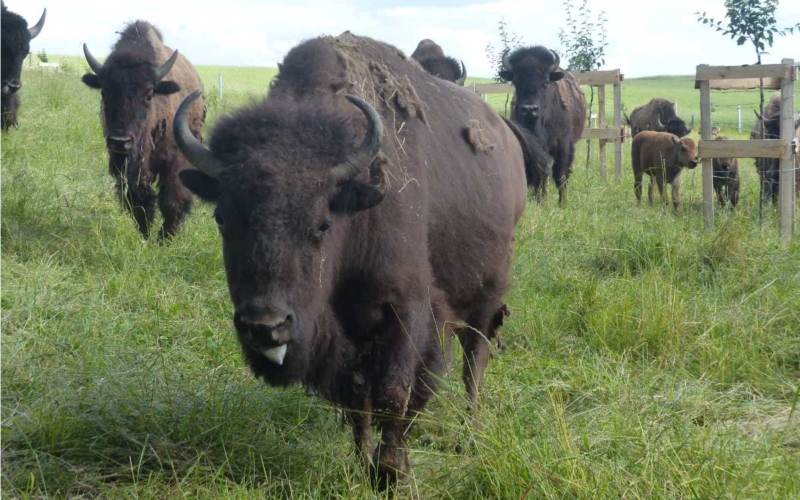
<point>650,192</point>
<point>733,194</point>
<point>141,203</point>
<point>720,193</point>
<point>676,192</point>
<point>10,104</point>
<point>175,203</point>
<point>637,186</point>
<point>562,166</point>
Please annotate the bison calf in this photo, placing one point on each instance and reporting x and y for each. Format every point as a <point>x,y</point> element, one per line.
<point>726,178</point>
<point>661,156</point>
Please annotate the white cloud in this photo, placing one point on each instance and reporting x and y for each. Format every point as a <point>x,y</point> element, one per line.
<point>645,38</point>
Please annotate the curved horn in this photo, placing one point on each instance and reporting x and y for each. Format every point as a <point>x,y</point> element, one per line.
<point>37,28</point>
<point>461,79</point>
<point>691,126</point>
<point>162,71</point>
<point>557,59</point>
<point>627,118</point>
<point>506,64</point>
<point>661,126</point>
<point>760,118</point>
<point>192,149</point>
<point>93,63</point>
<point>369,148</point>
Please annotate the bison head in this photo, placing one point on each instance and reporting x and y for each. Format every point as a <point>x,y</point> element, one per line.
<point>283,177</point>
<point>678,127</point>
<point>722,165</point>
<point>531,70</point>
<point>771,125</point>
<point>128,85</point>
<point>16,39</point>
<point>687,152</point>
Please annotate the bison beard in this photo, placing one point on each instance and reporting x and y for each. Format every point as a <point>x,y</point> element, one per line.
<point>351,252</point>
<point>16,37</point>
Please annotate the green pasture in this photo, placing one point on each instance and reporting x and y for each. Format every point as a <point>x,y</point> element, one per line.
<point>646,358</point>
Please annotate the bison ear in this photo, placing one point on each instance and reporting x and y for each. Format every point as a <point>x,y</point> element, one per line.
<point>167,87</point>
<point>506,75</point>
<point>200,184</point>
<point>556,76</point>
<point>91,80</point>
<point>354,196</point>
<point>675,140</point>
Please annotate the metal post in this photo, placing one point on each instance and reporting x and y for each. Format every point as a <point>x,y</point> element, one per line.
<point>739,111</point>
<point>219,82</point>
<point>786,180</point>
<point>618,126</point>
<point>601,119</point>
<point>708,169</point>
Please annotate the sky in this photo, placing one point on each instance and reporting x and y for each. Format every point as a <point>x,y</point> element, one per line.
<point>644,38</point>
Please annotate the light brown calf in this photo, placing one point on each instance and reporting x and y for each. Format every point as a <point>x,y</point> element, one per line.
<point>662,156</point>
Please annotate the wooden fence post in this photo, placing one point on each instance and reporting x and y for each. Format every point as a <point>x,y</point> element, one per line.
<point>618,127</point>
<point>708,169</point>
<point>787,173</point>
<point>601,118</point>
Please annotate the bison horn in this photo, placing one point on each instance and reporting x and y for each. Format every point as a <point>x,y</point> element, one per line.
<point>37,28</point>
<point>691,126</point>
<point>461,79</point>
<point>93,63</point>
<point>760,118</point>
<point>506,64</point>
<point>627,118</point>
<point>162,71</point>
<point>556,59</point>
<point>661,126</point>
<point>369,148</point>
<point>192,149</point>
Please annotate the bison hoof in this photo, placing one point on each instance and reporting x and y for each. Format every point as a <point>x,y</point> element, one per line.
<point>392,466</point>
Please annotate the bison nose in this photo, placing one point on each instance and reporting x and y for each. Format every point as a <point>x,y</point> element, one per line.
<point>530,110</point>
<point>120,143</point>
<point>267,332</point>
<point>11,86</point>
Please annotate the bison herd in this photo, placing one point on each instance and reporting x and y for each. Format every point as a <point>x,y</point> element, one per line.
<point>366,207</point>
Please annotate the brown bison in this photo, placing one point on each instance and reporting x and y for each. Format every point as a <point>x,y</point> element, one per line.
<point>549,103</point>
<point>661,156</point>
<point>15,37</point>
<point>356,232</point>
<point>658,115</point>
<point>431,57</point>
<point>769,168</point>
<point>138,105</point>
<point>726,178</point>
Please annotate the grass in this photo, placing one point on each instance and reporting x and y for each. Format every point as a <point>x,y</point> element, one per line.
<point>647,359</point>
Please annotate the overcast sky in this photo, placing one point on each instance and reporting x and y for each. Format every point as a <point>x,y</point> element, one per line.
<point>645,38</point>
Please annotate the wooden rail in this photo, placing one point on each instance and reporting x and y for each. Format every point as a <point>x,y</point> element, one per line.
<point>603,133</point>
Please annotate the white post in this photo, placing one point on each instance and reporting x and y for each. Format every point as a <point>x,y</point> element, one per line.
<point>739,110</point>
<point>219,81</point>
<point>786,180</point>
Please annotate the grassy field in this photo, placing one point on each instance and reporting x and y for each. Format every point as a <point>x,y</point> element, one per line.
<point>647,359</point>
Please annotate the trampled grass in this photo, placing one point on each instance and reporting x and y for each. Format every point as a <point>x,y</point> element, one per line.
<point>647,359</point>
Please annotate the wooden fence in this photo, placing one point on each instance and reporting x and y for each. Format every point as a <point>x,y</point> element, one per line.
<point>603,133</point>
<point>775,76</point>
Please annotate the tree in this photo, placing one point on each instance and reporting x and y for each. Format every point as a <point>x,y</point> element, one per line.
<point>584,43</point>
<point>508,42</point>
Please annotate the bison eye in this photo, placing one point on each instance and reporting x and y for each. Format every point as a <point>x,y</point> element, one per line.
<point>325,226</point>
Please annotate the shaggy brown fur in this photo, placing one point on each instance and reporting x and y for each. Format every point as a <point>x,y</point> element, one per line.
<point>726,178</point>
<point>137,107</point>
<point>549,103</point>
<point>661,156</point>
<point>16,38</point>
<point>361,279</point>
<point>431,57</point>
<point>658,115</point>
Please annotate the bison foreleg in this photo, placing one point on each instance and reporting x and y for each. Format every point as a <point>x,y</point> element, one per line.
<point>141,203</point>
<point>676,192</point>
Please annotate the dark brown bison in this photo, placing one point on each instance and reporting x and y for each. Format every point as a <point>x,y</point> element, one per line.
<point>769,168</point>
<point>662,156</point>
<point>138,105</point>
<point>356,232</point>
<point>431,57</point>
<point>658,115</point>
<point>726,178</point>
<point>549,103</point>
<point>15,37</point>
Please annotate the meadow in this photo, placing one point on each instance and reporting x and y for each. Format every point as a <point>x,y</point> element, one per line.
<point>646,358</point>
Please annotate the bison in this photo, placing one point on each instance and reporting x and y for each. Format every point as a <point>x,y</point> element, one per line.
<point>549,103</point>
<point>356,231</point>
<point>769,124</point>
<point>138,105</point>
<point>726,178</point>
<point>16,44</point>
<point>661,155</point>
<point>658,115</point>
<point>431,57</point>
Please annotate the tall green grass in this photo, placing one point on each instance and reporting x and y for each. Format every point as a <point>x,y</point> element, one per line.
<point>647,359</point>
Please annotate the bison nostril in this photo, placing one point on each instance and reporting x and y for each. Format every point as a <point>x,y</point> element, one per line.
<point>120,142</point>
